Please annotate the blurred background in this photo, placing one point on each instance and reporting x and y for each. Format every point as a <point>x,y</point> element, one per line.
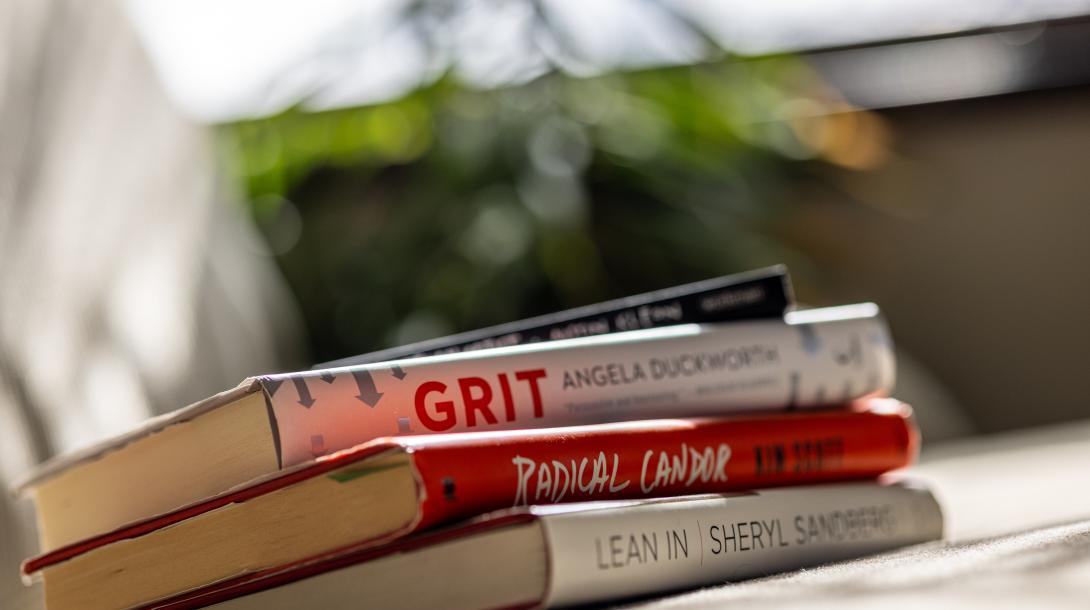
<point>194,192</point>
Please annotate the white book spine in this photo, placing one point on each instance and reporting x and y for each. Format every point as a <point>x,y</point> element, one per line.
<point>812,358</point>
<point>651,547</point>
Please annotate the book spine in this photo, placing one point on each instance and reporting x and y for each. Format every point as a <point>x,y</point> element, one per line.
<point>623,552</point>
<point>760,294</point>
<point>817,357</point>
<point>658,458</point>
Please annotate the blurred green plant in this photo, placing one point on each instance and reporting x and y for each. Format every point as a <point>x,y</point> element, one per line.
<point>456,208</point>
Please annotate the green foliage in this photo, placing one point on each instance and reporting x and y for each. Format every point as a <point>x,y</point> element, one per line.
<point>455,208</point>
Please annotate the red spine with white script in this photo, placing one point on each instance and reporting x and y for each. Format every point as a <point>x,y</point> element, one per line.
<point>658,458</point>
<point>462,475</point>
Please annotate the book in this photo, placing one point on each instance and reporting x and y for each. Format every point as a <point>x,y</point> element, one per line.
<point>597,551</point>
<point>810,358</point>
<point>388,488</point>
<point>763,293</point>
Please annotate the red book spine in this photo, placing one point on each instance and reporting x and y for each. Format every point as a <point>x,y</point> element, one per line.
<point>664,458</point>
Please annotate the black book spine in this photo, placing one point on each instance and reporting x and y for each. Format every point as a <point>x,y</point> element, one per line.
<point>765,293</point>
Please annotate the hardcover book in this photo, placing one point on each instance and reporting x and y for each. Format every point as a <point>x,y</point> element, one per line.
<point>808,359</point>
<point>764,293</point>
<point>388,488</point>
<point>597,551</point>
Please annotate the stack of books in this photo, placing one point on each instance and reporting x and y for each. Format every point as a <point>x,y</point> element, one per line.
<point>523,465</point>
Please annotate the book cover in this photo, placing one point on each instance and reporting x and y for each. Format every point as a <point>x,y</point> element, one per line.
<point>814,358</point>
<point>763,293</point>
